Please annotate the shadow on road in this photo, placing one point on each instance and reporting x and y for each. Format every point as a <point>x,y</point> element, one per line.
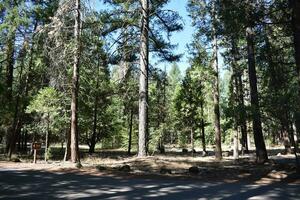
<point>16,184</point>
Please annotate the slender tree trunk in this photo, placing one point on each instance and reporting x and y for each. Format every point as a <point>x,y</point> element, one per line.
<point>47,137</point>
<point>10,65</point>
<point>203,129</point>
<point>236,143</point>
<point>25,141</point>
<point>130,132</point>
<point>192,141</point>
<point>261,152</point>
<point>93,138</point>
<point>68,144</point>
<point>95,116</point>
<point>143,89</point>
<point>241,116</point>
<point>75,88</point>
<point>243,120</point>
<point>217,124</point>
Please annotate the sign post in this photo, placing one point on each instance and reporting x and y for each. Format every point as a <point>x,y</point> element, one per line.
<point>35,147</point>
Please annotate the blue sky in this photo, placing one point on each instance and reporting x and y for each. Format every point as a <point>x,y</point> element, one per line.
<point>184,37</point>
<point>181,38</point>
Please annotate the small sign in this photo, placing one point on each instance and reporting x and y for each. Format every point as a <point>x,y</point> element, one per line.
<point>36,145</point>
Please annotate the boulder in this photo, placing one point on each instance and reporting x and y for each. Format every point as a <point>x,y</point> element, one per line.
<point>15,160</point>
<point>164,170</point>
<point>194,170</point>
<point>185,151</point>
<point>124,168</point>
<point>101,168</point>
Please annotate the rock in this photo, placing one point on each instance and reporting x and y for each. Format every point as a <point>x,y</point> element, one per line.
<point>194,151</point>
<point>226,154</point>
<point>194,170</point>
<point>164,170</point>
<point>15,160</point>
<point>101,168</point>
<point>78,165</point>
<point>185,151</point>
<point>124,168</point>
<point>204,153</point>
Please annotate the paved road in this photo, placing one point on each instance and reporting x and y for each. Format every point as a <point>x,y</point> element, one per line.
<point>18,184</point>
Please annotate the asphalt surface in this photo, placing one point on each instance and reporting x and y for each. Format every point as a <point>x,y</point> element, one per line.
<point>19,184</point>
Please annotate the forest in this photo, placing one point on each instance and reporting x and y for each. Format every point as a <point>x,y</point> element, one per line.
<point>81,79</point>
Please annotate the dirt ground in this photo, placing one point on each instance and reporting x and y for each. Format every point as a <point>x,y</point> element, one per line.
<point>173,164</point>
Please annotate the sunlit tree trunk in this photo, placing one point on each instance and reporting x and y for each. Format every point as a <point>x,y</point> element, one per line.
<point>143,88</point>
<point>75,87</point>
<point>216,92</point>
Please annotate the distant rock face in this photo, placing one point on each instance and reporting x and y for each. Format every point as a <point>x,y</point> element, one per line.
<point>194,170</point>
<point>124,168</point>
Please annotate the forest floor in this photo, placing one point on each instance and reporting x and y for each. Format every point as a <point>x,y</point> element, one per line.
<point>173,163</point>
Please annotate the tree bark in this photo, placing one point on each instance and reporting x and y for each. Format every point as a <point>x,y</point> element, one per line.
<point>10,66</point>
<point>203,129</point>
<point>192,141</point>
<point>243,119</point>
<point>296,31</point>
<point>75,87</point>
<point>236,143</point>
<point>68,144</point>
<point>47,137</point>
<point>216,92</point>
<point>241,116</point>
<point>261,152</point>
<point>95,116</point>
<point>130,132</point>
<point>143,88</point>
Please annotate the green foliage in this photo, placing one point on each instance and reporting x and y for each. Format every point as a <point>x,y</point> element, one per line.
<point>47,112</point>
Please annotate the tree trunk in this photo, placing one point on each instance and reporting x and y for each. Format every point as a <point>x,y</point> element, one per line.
<point>241,116</point>
<point>143,88</point>
<point>10,65</point>
<point>47,137</point>
<point>18,109</point>
<point>236,143</point>
<point>203,129</point>
<point>130,132</point>
<point>217,125</point>
<point>95,116</point>
<point>296,31</point>
<point>68,144</point>
<point>243,120</point>
<point>261,152</point>
<point>192,141</point>
<point>75,88</point>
